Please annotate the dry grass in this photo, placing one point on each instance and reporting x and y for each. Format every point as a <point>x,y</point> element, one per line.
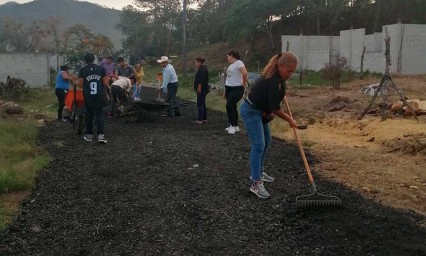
<point>357,152</point>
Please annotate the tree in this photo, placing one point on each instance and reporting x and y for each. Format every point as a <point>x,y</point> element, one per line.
<point>162,16</point>
<point>78,40</point>
<point>134,25</point>
<point>22,37</point>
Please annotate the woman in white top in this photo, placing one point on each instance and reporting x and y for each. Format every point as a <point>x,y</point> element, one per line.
<point>235,84</point>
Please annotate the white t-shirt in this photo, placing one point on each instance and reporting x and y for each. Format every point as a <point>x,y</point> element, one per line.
<point>123,82</point>
<point>233,74</point>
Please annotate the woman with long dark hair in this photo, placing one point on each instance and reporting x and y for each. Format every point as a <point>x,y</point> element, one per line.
<point>257,109</point>
<point>235,84</point>
<point>201,87</point>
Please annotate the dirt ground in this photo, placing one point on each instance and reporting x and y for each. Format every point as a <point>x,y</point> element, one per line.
<point>164,186</point>
<point>385,161</point>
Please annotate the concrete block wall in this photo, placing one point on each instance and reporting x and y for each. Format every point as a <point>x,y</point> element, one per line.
<point>413,55</point>
<point>313,52</point>
<point>408,45</point>
<point>295,46</point>
<point>317,52</point>
<point>31,67</point>
<point>351,46</point>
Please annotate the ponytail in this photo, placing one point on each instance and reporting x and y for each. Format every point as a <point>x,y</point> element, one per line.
<point>282,58</point>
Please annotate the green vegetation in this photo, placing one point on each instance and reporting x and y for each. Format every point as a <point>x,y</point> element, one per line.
<point>20,157</point>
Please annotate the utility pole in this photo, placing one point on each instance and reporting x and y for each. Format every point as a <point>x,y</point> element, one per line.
<point>184,39</point>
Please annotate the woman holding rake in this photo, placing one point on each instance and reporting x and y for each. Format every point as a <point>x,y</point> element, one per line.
<point>257,111</point>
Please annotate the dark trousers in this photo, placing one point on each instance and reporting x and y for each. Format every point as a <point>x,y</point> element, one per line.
<point>118,93</point>
<point>60,94</point>
<point>171,99</point>
<point>201,105</point>
<point>97,114</point>
<point>233,95</point>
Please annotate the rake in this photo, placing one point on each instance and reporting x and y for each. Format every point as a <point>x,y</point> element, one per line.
<point>314,199</point>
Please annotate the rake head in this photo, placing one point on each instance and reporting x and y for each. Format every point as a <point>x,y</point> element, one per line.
<point>318,200</point>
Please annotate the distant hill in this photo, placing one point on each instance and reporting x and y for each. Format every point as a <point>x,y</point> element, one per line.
<point>95,17</point>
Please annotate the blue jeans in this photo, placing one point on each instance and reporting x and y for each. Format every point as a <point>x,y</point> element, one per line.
<point>260,138</point>
<point>136,91</point>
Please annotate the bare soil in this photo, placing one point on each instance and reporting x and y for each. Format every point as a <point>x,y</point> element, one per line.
<point>167,187</point>
<point>383,160</point>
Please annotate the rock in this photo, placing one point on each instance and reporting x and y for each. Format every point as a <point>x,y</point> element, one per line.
<point>338,106</point>
<point>371,140</point>
<point>13,110</point>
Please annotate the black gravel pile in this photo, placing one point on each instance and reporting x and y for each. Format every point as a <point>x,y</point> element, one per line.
<point>165,186</point>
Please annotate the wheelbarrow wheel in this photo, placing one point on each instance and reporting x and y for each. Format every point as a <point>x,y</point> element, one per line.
<point>78,125</point>
<point>131,114</point>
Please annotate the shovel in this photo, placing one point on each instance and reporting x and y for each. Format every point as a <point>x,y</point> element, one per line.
<point>159,77</point>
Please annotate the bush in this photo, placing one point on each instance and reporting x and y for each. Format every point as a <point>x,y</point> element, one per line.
<point>14,89</point>
<point>151,60</point>
<point>333,72</point>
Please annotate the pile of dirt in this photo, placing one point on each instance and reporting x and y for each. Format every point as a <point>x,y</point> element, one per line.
<point>342,103</point>
<point>169,187</point>
<point>410,144</point>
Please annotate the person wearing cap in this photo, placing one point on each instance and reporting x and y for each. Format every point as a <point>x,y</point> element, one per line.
<point>63,79</point>
<point>124,69</point>
<point>93,79</point>
<point>170,85</point>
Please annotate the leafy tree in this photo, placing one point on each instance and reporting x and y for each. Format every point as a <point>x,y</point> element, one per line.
<point>135,26</point>
<point>162,17</point>
<point>78,40</point>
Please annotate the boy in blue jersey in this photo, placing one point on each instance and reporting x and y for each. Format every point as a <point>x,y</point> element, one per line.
<point>93,79</point>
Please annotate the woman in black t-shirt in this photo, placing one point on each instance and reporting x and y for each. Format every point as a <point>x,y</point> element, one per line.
<point>201,87</point>
<point>257,110</point>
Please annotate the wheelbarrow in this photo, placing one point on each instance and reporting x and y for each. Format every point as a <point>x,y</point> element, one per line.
<point>74,101</point>
<point>133,111</point>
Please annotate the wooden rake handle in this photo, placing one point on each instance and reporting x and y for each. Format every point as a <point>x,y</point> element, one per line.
<point>302,152</point>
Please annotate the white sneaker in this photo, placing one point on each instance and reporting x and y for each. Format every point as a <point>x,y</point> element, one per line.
<point>265,177</point>
<point>237,128</point>
<point>259,190</point>
<point>88,137</point>
<point>231,130</point>
<point>101,139</point>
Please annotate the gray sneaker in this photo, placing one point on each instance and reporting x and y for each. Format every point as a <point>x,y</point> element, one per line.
<point>101,139</point>
<point>88,137</point>
<point>259,190</point>
<point>267,178</point>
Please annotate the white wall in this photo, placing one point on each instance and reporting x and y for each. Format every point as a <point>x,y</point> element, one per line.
<point>31,67</point>
<point>407,44</point>
<point>313,52</point>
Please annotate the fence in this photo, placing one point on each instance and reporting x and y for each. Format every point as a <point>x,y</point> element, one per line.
<point>408,49</point>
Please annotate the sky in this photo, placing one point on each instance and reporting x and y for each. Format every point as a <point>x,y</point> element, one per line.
<point>116,4</point>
